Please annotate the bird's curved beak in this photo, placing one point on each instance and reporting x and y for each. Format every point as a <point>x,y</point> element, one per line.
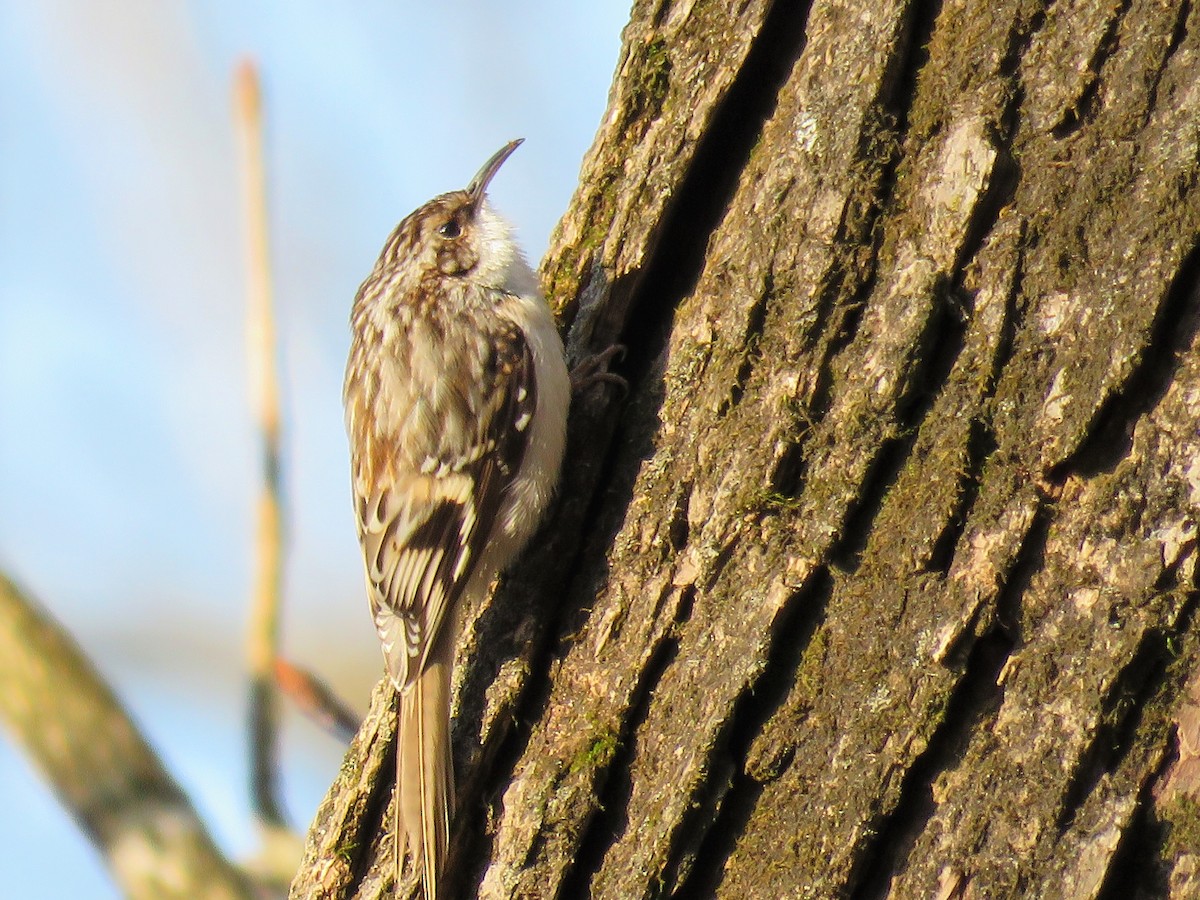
<point>479,183</point>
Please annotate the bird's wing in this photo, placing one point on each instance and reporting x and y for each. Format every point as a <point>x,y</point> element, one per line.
<point>423,531</point>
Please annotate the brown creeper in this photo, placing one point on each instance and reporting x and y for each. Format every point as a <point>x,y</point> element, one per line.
<point>456,404</point>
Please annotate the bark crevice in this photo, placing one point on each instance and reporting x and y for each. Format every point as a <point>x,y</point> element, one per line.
<point>676,250</point>
<point>707,836</point>
<point>1110,436</point>
<point>973,698</point>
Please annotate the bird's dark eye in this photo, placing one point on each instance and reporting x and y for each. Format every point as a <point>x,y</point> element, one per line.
<point>450,229</point>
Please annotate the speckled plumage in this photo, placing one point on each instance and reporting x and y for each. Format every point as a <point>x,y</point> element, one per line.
<point>456,400</point>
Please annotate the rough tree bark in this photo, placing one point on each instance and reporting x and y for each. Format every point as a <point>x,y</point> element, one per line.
<point>881,581</point>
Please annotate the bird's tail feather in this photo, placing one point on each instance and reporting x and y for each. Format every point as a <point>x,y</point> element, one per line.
<point>424,773</point>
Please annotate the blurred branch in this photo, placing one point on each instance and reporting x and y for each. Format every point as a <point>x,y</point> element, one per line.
<point>64,716</point>
<point>316,700</point>
<point>264,619</point>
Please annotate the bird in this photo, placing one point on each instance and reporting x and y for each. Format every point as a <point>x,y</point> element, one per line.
<point>456,397</point>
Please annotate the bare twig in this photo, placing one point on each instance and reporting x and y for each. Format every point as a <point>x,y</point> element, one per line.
<point>66,718</point>
<point>316,700</point>
<point>263,642</point>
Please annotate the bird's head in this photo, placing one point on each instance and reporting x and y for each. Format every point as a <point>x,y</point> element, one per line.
<point>458,235</point>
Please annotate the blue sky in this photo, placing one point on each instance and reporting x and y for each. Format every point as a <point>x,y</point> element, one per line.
<point>127,456</point>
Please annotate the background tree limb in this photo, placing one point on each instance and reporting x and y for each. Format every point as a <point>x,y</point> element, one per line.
<point>67,720</point>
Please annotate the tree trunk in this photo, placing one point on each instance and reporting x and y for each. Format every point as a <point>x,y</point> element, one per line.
<point>881,581</point>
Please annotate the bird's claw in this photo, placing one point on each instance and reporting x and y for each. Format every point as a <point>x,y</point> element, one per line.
<point>593,370</point>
